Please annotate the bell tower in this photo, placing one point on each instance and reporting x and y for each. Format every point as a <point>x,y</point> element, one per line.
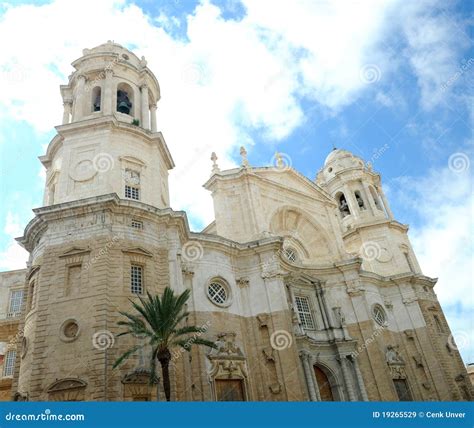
<point>367,223</point>
<point>108,141</point>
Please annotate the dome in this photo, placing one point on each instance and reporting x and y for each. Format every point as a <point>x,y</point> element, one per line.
<point>337,154</point>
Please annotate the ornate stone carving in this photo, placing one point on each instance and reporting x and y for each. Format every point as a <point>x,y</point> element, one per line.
<point>243,282</point>
<point>226,347</point>
<point>392,355</point>
<point>269,354</point>
<point>275,388</point>
<point>398,372</point>
<point>263,320</point>
<point>228,361</point>
<point>395,362</point>
<point>418,358</point>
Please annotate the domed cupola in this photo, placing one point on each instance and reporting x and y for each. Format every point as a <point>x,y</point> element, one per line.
<point>356,188</point>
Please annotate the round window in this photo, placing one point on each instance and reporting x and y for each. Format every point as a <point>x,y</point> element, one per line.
<point>218,293</point>
<point>379,315</point>
<point>69,330</point>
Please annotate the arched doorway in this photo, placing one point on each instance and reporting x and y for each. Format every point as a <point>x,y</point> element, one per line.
<point>325,390</point>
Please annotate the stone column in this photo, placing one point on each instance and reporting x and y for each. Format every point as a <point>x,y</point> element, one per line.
<point>354,208</point>
<point>153,117</point>
<point>145,108</point>
<point>79,101</point>
<point>67,111</point>
<point>370,200</point>
<point>108,97</point>
<point>360,379</point>
<point>309,377</point>
<point>347,378</point>
<point>385,204</point>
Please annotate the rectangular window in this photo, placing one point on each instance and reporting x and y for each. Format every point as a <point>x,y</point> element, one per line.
<point>403,391</point>
<point>16,299</point>
<point>9,363</point>
<point>137,224</point>
<point>132,192</point>
<point>136,279</point>
<point>304,312</point>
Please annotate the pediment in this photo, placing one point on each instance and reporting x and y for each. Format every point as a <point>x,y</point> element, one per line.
<point>75,251</point>
<point>291,180</point>
<point>137,377</point>
<point>132,160</point>
<point>66,384</point>
<point>138,251</point>
<point>302,279</point>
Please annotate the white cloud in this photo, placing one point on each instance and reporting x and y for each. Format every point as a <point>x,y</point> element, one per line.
<point>228,78</point>
<point>14,256</point>
<point>444,243</point>
<point>434,41</point>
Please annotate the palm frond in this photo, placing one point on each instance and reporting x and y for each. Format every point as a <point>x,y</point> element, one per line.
<point>126,355</point>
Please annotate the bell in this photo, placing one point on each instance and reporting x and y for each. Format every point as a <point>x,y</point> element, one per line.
<point>97,103</point>
<point>123,107</point>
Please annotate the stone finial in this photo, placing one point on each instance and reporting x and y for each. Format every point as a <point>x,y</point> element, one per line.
<point>215,167</point>
<point>143,62</point>
<point>243,153</point>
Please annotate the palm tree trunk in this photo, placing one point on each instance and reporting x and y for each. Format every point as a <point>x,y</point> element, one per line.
<point>164,359</point>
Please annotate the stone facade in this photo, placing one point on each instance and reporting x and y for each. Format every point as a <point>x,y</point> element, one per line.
<point>310,288</point>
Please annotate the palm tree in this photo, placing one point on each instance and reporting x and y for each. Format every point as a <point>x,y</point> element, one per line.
<point>158,321</point>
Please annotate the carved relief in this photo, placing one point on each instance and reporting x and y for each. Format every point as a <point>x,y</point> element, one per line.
<point>228,361</point>
<point>262,320</point>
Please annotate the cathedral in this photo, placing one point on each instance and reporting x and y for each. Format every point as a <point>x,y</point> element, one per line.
<point>310,288</point>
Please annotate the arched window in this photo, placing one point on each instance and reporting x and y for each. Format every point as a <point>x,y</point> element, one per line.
<point>343,205</point>
<point>96,98</point>
<point>379,315</point>
<point>360,201</point>
<point>125,99</point>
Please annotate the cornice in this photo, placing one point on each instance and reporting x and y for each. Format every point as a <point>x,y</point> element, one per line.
<point>390,223</point>
<point>110,122</point>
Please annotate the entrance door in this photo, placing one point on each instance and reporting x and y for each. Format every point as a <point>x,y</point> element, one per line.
<point>324,386</point>
<point>229,390</point>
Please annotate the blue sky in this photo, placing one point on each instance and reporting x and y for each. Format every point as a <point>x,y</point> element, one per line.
<point>389,80</point>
